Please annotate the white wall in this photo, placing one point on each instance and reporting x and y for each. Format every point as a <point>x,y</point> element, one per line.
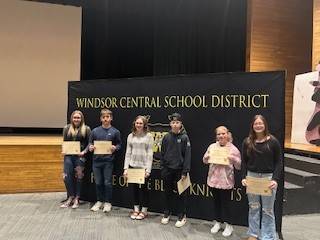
<point>40,47</point>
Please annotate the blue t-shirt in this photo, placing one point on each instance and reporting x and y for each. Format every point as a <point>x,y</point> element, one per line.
<point>105,134</point>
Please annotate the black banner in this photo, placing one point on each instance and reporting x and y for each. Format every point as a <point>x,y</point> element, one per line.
<point>205,102</point>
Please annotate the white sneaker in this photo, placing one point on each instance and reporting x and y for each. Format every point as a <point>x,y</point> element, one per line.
<point>216,227</point>
<point>165,220</point>
<point>181,222</point>
<point>228,230</point>
<point>107,207</point>
<point>96,206</point>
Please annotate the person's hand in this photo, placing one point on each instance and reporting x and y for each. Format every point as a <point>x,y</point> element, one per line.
<point>113,148</point>
<point>244,182</point>
<point>273,184</point>
<point>125,173</point>
<point>91,148</point>
<point>81,154</point>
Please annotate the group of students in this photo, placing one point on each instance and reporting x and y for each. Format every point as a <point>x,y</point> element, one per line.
<point>261,157</point>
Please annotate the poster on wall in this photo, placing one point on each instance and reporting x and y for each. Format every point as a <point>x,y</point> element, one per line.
<point>306,109</point>
<point>205,102</point>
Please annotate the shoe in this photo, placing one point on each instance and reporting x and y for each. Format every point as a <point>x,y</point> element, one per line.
<point>181,222</point>
<point>96,206</point>
<point>107,207</point>
<point>75,204</point>
<point>134,215</point>
<point>165,219</point>
<point>216,227</point>
<point>142,215</point>
<point>66,203</point>
<point>252,238</point>
<point>227,231</point>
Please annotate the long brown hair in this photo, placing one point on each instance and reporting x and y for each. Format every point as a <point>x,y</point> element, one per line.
<point>145,124</point>
<point>251,139</point>
<point>73,130</point>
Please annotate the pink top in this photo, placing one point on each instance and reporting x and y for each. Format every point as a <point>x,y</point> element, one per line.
<point>222,176</point>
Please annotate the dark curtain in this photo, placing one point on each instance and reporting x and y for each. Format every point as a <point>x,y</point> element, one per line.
<point>134,38</point>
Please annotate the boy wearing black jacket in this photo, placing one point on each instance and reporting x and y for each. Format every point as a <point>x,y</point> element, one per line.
<point>175,165</point>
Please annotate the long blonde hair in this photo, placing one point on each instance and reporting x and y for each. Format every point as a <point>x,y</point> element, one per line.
<point>73,130</point>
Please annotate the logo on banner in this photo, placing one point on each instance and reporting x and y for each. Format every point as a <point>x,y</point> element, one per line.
<point>158,131</point>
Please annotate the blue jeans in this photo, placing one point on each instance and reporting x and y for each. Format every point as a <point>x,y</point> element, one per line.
<point>102,172</point>
<point>266,203</point>
<point>73,174</point>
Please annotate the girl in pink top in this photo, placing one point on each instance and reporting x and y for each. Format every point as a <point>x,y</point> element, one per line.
<point>221,179</point>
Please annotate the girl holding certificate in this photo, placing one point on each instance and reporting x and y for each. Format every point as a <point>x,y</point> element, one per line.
<point>74,164</point>
<point>221,176</point>
<point>261,154</point>
<point>139,155</point>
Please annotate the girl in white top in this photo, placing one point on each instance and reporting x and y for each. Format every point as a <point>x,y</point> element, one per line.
<point>139,154</point>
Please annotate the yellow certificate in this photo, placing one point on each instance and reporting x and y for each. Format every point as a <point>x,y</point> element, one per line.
<point>71,147</point>
<point>136,175</point>
<point>258,186</point>
<point>102,147</point>
<point>219,155</point>
<point>183,184</point>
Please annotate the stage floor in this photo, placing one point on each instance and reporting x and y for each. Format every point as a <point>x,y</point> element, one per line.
<point>38,216</point>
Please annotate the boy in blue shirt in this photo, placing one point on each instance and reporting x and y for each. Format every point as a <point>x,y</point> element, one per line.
<point>102,164</point>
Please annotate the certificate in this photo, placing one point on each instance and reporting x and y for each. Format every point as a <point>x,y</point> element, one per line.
<point>219,155</point>
<point>71,147</point>
<point>102,147</point>
<point>136,175</point>
<point>258,186</point>
<point>183,184</point>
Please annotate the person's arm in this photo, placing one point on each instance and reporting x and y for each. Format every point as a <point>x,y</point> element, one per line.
<point>88,133</point>
<point>235,157</point>
<point>187,157</point>
<point>65,132</point>
<point>244,162</point>
<point>91,139</point>
<point>206,156</point>
<point>128,152</point>
<point>118,141</point>
<point>163,150</point>
<point>149,154</point>
<point>278,160</point>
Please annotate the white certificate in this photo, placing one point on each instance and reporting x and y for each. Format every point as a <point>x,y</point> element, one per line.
<point>102,147</point>
<point>71,147</point>
<point>136,175</point>
<point>219,155</point>
<point>183,184</point>
<point>258,186</point>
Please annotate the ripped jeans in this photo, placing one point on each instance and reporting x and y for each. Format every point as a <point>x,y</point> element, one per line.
<point>268,226</point>
<point>73,172</point>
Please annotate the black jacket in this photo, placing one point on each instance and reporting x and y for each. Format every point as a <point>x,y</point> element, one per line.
<point>176,151</point>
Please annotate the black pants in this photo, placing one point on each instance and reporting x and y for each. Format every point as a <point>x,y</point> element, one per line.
<point>141,194</point>
<point>173,201</point>
<point>221,198</point>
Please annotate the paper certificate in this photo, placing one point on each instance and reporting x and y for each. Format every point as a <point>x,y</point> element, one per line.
<point>71,147</point>
<point>102,147</point>
<point>136,175</point>
<point>258,186</point>
<point>219,155</point>
<point>183,184</point>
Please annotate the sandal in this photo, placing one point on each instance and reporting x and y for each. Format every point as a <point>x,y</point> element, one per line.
<point>75,204</point>
<point>134,215</point>
<point>141,216</point>
<point>66,203</point>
